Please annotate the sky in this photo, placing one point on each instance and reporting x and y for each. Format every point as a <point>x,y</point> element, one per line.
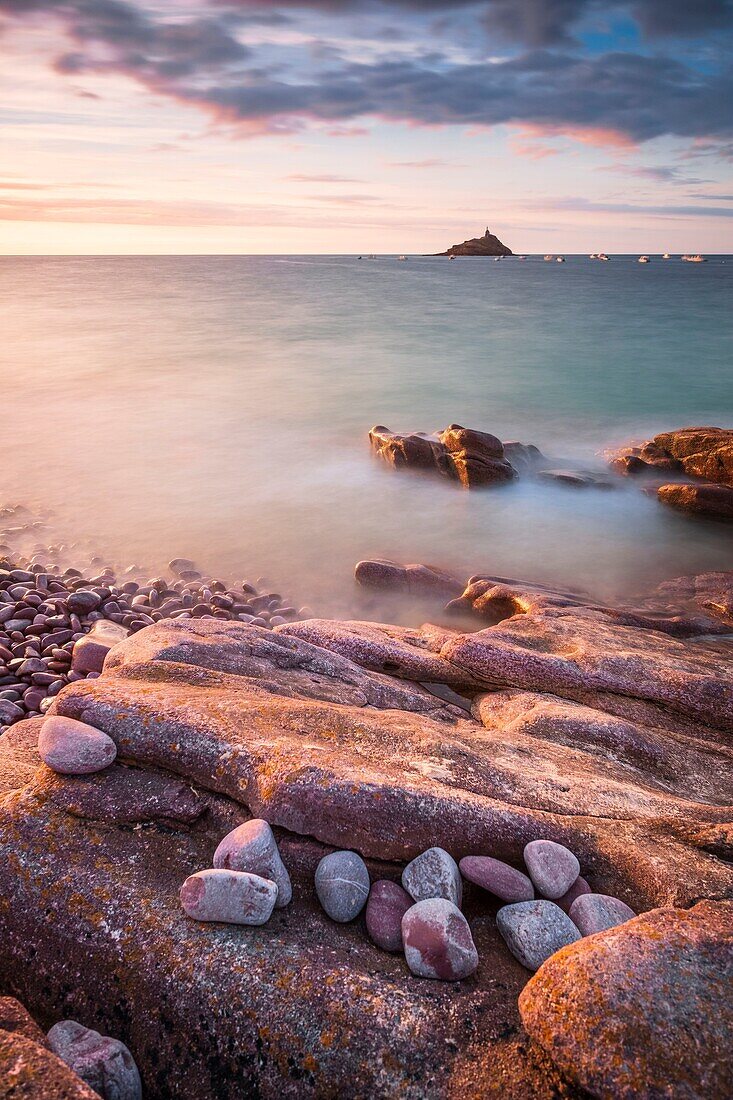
<point>334,126</point>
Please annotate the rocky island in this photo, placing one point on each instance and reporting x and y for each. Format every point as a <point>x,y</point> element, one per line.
<point>488,245</point>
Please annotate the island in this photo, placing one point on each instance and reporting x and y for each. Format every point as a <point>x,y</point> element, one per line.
<point>488,245</point>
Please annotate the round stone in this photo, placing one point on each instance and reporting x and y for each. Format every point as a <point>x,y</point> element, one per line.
<point>342,885</point>
<point>498,878</point>
<point>535,930</point>
<point>580,886</point>
<point>438,941</point>
<point>252,847</point>
<point>386,907</point>
<point>593,913</point>
<point>552,867</point>
<point>233,897</point>
<point>74,748</point>
<point>433,874</point>
<point>103,1063</point>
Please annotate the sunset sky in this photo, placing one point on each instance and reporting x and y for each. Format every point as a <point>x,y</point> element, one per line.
<point>334,126</point>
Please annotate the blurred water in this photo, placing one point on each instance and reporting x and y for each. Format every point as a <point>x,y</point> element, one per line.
<point>217,407</point>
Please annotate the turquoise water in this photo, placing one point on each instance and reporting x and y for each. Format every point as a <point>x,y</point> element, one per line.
<point>217,407</point>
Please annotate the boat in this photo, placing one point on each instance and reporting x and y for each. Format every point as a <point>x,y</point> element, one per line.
<point>602,256</point>
<point>451,257</point>
<point>402,257</point>
<point>666,256</point>
<point>697,259</point>
<point>643,260</point>
<point>561,259</point>
<point>593,256</point>
<point>548,258</point>
<point>497,258</point>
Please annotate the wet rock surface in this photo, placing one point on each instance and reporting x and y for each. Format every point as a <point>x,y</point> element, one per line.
<point>698,452</point>
<point>714,501</point>
<point>644,1009</point>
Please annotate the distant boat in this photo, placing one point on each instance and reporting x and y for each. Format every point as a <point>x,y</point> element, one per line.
<point>697,259</point>
<point>521,257</point>
<point>497,258</point>
<point>643,260</point>
<point>666,256</point>
<point>593,256</point>
<point>548,258</point>
<point>451,257</point>
<point>561,259</point>
<point>402,257</point>
<point>602,256</point>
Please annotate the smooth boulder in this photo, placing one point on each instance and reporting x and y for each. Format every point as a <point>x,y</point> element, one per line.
<point>438,941</point>
<point>103,1063</point>
<point>342,885</point>
<point>433,874</point>
<point>233,897</point>
<point>593,913</point>
<point>386,907</point>
<point>535,930</point>
<point>497,877</point>
<point>90,652</point>
<point>252,847</point>
<point>552,867</point>
<point>74,748</point>
<point>713,501</point>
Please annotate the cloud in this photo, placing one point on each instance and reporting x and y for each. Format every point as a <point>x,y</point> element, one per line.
<point>427,162</point>
<point>583,205</point>
<point>297,178</point>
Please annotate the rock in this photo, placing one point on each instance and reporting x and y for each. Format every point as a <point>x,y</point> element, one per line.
<point>642,1010</point>
<point>472,458</point>
<point>698,452</point>
<point>342,885</point>
<point>552,867</point>
<point>10,712</point>
<point>414,580</point>
<point>592,913</point>
<point>103,1063</point>
<point>28,1070</point>
<point>90,651</point>
<point>712,592</point>
<point>488,245</point>
<point>74,748</point>
<point>386,907</point>
<point>252,847</point>
<point>524,457</point>
<point>433,874</point>
<point>715,501</point>
<point>498,878</point>
<point>233,897</point>
<point>579,887</point>
<point>83,601</point>
<point>15,1018</point>
<point>179,564</point>
<point>124,796</point>
<point>438,941</point>
<point>535,930</point>
<point>575,479</point>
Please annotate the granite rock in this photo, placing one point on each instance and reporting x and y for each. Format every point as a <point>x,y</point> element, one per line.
<point>252,847</point>
<point>535,930</point>
<point>437,941</point>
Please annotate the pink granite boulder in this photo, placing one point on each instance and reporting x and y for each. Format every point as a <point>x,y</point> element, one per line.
<point>497,877</point>
<point>386,907</point>
<point>438,941</point>
<point>552,867</point>
<point>252,847</point>
<point>74,748</point>
<point>103,1063</point>
<point>535,930</point>
<point>433,874</point>
<point>233,897</point>
<point>593,913</point>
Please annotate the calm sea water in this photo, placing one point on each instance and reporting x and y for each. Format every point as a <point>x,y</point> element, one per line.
<point>217,407</point>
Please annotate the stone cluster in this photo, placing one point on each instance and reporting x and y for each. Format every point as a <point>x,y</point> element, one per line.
<point>57,625</point>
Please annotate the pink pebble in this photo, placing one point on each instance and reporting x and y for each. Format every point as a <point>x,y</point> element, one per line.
<point>385,909</point>
<point>74,748</point>
<point>252,847</point>
<point>579,887</point>
<point>438,941</point>
<point>234,897</point>
<point>498,878</point>
<point>593,913</point>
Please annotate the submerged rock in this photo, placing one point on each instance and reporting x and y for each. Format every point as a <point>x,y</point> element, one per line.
<point>438,941</point>
<point>433,874</point>
<point>715,501</point>
<point>413,580</point>
<point>74,748</point>
<point>642,1010</point>
<point>252,847</point>
<point>342,885</point>
<point>105,1064</point>
<point>535,930</point>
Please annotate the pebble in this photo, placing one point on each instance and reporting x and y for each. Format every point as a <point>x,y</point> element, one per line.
<point>552,867</point>
<point>535,930</point>
<point>438,941</point>
<point>103,1063</point>
<point>234,897</point>
<point>433,874</point>
<point>498,878</point>
<point>580,886</point>
<point>342,885</point>
<point>593,913</point>
<point>252,847</point>
<point>386,907</point>
<point>74,748</point>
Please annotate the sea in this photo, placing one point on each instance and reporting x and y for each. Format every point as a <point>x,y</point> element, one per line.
<point>217,408</point>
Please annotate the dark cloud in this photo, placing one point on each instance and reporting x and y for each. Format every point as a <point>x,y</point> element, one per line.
<point>201,62</point>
